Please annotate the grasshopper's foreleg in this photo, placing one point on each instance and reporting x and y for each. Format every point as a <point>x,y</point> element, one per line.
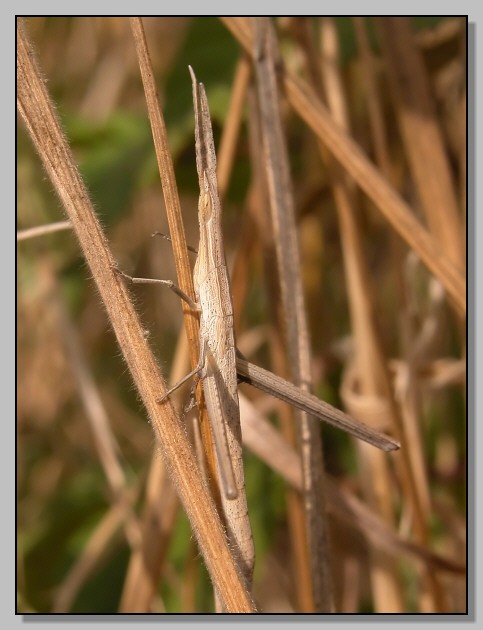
<point>167,283</point>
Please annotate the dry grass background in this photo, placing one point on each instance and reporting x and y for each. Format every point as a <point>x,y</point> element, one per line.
<point>100,527</point>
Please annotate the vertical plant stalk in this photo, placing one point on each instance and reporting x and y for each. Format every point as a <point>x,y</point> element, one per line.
<point>176,227</point>
<point>144,566</point>
<point>288,262</point>
<point>258,215</point>
<point>44,128</point>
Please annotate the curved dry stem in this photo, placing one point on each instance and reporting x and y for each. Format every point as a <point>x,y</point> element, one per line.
<point>44,128</point>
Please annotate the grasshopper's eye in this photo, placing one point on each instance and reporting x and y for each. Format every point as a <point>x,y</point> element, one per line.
<point>205,206</point>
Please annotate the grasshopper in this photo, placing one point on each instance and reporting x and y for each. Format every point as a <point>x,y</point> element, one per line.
<point>220,364</point>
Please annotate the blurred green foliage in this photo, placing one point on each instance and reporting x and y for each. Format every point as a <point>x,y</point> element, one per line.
<point>113,159</point>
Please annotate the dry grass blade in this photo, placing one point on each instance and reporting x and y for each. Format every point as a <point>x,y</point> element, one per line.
<point>41,230</point>
<point>295,325</point>
<point>44,128</point>
<point>175,220</point>
<point>168,181</point>
<point>356,163</point>
<point>421,135</point>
